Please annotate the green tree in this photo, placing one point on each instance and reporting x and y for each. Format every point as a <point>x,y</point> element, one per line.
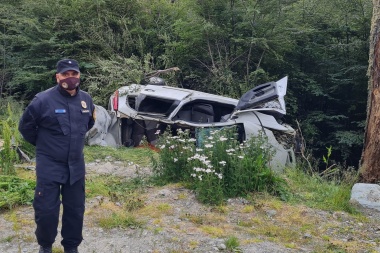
<point>327,69</point>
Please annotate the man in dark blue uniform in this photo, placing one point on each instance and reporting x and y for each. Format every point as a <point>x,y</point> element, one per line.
<point>56,122</point>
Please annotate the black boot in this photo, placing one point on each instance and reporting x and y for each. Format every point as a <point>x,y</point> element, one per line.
<point>72,250</point>
<point>45,249</point>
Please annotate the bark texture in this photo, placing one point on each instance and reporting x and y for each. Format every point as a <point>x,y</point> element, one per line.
<point>370,160</point>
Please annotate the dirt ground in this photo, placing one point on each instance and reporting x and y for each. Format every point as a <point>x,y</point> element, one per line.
<point>175,222</point>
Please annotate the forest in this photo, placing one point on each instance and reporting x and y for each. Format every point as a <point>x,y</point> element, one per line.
<point>224,47</point>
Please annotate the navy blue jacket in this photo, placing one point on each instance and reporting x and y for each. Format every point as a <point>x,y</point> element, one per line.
<point>56,123</point>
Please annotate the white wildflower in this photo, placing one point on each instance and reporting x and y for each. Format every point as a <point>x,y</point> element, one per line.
<point>208,145</point>
<point>175,160</point>
<point>205,162</point>
<point>222,163</point>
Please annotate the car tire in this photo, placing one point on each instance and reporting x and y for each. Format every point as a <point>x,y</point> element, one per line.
<point>126,132</point>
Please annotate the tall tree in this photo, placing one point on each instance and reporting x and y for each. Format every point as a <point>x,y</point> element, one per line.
<point>370,166</point>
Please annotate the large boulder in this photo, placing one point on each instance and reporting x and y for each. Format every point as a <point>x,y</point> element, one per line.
<point>366,195</point>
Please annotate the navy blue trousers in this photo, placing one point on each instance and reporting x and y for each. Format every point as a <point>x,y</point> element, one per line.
<point>46,204</point>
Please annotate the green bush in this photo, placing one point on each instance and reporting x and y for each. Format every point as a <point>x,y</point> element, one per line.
<point>15,191</point>
<point>216,165</point>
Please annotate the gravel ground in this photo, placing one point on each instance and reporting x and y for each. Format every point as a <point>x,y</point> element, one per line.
<point>186,225</point>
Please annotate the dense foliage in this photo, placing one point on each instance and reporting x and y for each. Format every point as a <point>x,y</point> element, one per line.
<point>221,46</point>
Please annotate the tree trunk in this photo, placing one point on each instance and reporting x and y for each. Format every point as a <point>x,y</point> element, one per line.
<point>370,159</point>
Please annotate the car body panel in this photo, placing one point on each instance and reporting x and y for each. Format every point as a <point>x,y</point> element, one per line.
<point>165,92</point>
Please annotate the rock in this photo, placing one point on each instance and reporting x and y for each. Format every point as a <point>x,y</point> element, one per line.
<point>366,195</point>
<point>222,246</point>
<point>271,213</point>
<point>164,193</point>
<point>307,236</point>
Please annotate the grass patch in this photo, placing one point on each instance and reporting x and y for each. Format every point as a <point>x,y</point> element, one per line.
<point>156,210</point>
<point>214,231</point>
<point>116,188</point>
<point>196,219</point>
<point>26,174</point>
<point>57,250</point>
<point>248,209</point>
<point>232,244</point>
<point>8,239</point>
<point>193,244</point>
<point>119,219</point>
<point>140,156</point>
<point>317,192</point>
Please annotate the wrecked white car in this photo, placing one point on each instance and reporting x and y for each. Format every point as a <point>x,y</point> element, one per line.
<point>138,111</point>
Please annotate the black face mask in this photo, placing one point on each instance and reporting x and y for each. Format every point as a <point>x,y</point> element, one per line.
<point>70,83</point>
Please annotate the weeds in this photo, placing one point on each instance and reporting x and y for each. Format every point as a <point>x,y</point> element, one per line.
<point>15,191</point>
<point>232,244</point>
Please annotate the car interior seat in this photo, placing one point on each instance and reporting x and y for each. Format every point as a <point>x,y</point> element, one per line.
<point>202,113</point>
